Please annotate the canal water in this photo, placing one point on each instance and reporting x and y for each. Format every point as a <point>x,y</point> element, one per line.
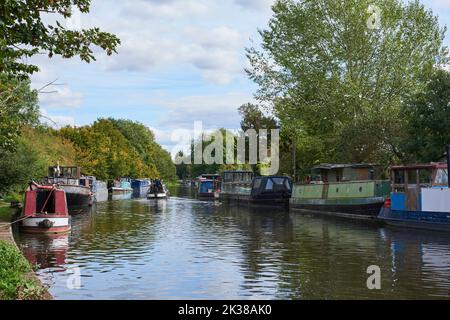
<point>182,248</point>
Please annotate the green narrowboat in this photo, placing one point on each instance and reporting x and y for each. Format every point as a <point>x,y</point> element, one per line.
<point>346,190</point>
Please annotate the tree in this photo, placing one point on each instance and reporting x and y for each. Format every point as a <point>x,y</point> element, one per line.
<point>18,107</point>
<point>24,34</point>
<point>429,120</point>
<point>338,73</point>
<point>254,118</point>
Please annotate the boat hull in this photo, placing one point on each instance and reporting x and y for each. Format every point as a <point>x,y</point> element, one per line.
<point>77,196</point>
<point>247,199</point>
<point>435,221</point>
<point>36,225</point>
<point>367,208</point>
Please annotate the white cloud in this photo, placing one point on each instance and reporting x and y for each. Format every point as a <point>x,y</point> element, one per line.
<point>56,121</point>
<point>255,4</point>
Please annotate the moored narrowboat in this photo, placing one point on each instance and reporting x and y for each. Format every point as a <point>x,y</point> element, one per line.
<point>45,210</point>
<point>345,190</point>
<point>420,197</point>
<point>208,189</point>
<point>140,187</point>
<point>121,189</point>
<point>99,189</point>
<point>242,187</point>
<point>78,192</point>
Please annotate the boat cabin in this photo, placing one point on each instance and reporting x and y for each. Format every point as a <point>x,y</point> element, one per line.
<point>234,181</point>
<point>45,208</point>
<point>331,173</point>
<point>420,187</point>
<point>66,175</point>
<point>271,185</point>
<point>208,187</point>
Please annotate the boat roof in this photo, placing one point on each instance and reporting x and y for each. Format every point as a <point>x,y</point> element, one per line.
<point>432,165</point>
<point>331,166</point>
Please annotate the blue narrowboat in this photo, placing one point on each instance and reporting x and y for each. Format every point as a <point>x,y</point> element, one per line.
<point>140,187</point>
<point>420,197</point>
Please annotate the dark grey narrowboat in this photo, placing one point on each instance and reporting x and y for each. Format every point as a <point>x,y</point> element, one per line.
<point>242,187</point>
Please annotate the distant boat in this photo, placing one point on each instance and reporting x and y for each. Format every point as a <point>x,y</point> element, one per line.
<point>157,190</point>
<point>345,190</point>
<point>242,187</point>
<point>78,194</point>
<point>208,189</point>
<point>420,197</point>
<point>45,210</point>
<point>99,189</point>
<point>121,186</point>
<point>140,187</point>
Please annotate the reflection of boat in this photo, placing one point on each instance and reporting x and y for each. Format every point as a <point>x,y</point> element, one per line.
<point>46,250</point>
<point>157,190</point>
<point>45,210</point>
<point>420,197</point>
<point>243,187</point>
<point>140,187</point>
<point>347,190</point>
<point>68,179</point>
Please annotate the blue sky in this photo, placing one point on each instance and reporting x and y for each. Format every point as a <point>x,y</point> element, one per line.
<point>180,61</point>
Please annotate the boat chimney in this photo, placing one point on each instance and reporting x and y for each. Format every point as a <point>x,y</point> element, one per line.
<point>448,164</point>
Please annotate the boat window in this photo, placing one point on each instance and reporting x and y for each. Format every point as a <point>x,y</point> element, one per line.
<point>441,177</point>
<point>287,184</point>
<point>399,177</point>
<point>425,176</point>
<point>269,184</point>
<point>278,180</point>
<point>412,176</point>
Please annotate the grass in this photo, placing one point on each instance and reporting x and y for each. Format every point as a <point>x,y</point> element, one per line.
<point>5,212</point>
<point>15,283</point>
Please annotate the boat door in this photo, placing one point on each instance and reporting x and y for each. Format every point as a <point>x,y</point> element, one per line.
<point>412,191</point>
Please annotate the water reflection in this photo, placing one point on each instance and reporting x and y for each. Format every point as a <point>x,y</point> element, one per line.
<point>182,248</point>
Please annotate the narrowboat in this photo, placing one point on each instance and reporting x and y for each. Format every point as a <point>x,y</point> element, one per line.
<point>140,187</point>
<point>99,189</point>
<point>208,189</point>
<point>344,190</point>
<point>420,197</point>
<point>78,192</point>
<point>121,189</point>
<point>45,210</point>
<point>242,187</point>
<point>157,190</point>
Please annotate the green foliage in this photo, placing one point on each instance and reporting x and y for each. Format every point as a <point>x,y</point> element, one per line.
<point>335,82</point>
<point>13,271</point>
<point>429,120</point>
<point>143,141</point>
<point>24,34</point>
<point>254,118</point>
<point>37,149</point>
<point>110,148</point>
<point>18,107</point>
<point>193,170</point>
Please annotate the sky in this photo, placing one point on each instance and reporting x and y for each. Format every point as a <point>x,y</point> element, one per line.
<point>180,61</point>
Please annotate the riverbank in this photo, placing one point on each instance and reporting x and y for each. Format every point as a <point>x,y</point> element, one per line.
<point>17,278</point>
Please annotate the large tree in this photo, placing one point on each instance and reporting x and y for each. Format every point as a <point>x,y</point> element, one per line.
<point>429,120</point>
<point>337,71</point>
<point>24,33</point>
<point>18,107</point>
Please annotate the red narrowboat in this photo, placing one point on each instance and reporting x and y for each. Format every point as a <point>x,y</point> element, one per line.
<point>45,210</point>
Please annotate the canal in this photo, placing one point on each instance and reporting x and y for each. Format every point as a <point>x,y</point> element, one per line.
<point>182,248</point>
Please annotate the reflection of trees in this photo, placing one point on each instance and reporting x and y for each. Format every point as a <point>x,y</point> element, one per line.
<point>115,229</point>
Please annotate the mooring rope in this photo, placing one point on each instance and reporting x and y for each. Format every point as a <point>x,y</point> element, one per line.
<point>9,224</point>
